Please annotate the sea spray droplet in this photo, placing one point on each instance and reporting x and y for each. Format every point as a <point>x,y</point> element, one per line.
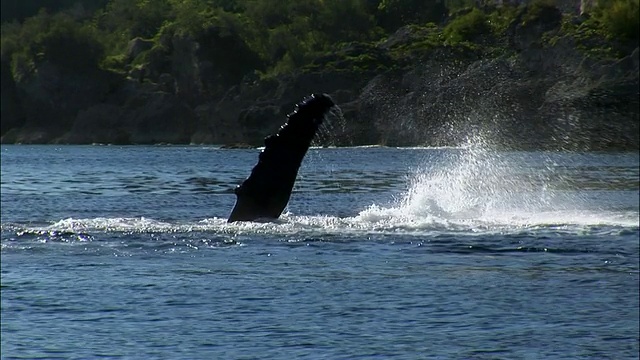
<point>332,130</point>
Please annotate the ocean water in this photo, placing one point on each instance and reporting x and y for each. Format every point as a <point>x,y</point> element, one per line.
<point>383,253</point>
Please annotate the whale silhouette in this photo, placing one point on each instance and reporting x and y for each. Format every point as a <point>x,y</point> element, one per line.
<point>266,192</point>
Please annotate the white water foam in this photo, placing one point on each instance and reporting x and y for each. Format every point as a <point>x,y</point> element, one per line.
<point>370,223</point>
<point>373,220</point>
<point>474,191</point>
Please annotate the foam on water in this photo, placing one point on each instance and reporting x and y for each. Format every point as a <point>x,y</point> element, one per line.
<point>473,191</point>
<point>404,220</point>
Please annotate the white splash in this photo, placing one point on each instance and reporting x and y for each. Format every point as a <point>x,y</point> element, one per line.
<point>479,189</point>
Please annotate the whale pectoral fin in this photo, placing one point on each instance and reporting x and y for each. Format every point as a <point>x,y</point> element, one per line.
<point>244,209</point>
<point>248,209</point>
<point>266,192</point>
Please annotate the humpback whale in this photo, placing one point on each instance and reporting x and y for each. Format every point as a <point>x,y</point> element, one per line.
<point>266,192</point>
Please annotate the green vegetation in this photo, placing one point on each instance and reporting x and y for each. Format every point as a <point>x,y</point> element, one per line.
<point>609,30</point>
<point>620,18</point>
<point>537,10</point>
<point>466,27</point>
<point>273,36</point>
<point>500,18</point>
<point>392,14</point>
<point>20,9</point>
<point>58,38</point>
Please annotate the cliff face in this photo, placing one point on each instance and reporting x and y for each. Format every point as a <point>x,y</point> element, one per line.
<point>538,94</point>
<point>548,95</point>
<point>559,99</point>
<point>11,110</point>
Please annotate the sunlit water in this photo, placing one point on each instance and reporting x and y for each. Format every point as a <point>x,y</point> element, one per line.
<point>124,252</point>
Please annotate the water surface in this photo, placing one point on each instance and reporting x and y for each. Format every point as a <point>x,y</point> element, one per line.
<point>124,252</point>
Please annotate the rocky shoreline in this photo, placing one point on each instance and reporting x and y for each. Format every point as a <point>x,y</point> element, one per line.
<point>537,94</point>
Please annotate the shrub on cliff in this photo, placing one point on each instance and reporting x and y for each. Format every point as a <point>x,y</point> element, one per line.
<point>466,27</point>
<point>610,30</point>
<point>620,18</point>
<point>393,14</point>
<point>58,39</point>
<point>19,10</point>
<point>290,34</point>
<point>538,10</point>
<point>123,20</point>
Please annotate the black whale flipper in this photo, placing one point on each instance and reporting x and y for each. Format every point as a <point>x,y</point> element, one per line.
<point>265,193</point>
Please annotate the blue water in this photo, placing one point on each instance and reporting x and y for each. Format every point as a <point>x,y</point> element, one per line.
<point>451,253</point>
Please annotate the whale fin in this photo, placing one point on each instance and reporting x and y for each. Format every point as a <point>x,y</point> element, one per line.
<point>266,192</point>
